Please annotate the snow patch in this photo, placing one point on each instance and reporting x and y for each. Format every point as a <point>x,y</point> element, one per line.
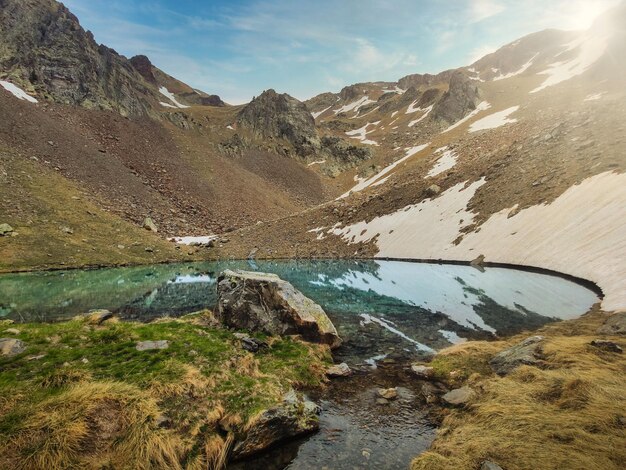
<point>317,162</point>
<point>445,162</point>
<point>319,113</point>
<point>354,106</point>
<point>482,106</point>
<point>17,91</point>
<point>523,69</point>
<point>590,49</point>
<point>361,133</point>
<point>494,120</point>
<point>374,180</point>
<point>426,113</point>
<point>198,240</point>
<point>165,92</point>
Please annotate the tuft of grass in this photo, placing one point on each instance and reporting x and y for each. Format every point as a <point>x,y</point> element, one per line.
<point>83,396</point>
<point>569,414</point>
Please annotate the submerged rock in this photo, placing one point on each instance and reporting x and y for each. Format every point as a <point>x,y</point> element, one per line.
<point>614,325</point>
<point>263,302</point>
<point>459,396</point>
<point>296,416</point>
<point>527,352</point>
<point>11,346</point>
<point>339,370</point>
<point>388,393</point>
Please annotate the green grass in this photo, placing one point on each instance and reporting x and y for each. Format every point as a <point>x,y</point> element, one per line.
<point>202,378</point>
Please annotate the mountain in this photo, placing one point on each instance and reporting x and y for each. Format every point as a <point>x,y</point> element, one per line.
<point>46,52</point>
<point>518,157</point>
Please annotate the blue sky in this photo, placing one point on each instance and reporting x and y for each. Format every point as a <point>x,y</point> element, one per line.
<point>238,48</point>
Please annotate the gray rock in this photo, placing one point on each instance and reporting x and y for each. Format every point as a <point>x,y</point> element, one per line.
<point>150,345</point>
<point>433,190</point>
<point>604,345</point>
<point>488,465</point>
<point>252,344</point>
<point>263,302</point>
<point>296,416</point>
<point>527,352</point>
<point>97,317</point>
<point>11,346</point>
<point>423,372</point>
<point>339,370</point>
<point>5,229</point>
<point>149,224</point>
<point>614,325</point>
<point>459,396</point>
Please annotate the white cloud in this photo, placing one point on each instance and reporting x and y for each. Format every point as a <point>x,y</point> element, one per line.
<point>482,9</point>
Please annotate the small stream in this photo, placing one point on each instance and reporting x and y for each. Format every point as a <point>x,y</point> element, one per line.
<point>389,313</point>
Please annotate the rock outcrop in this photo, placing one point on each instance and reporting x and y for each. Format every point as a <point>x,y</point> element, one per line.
<point>263,302</point>
<point>296,416</point>
<point>11,346</point>
<point>461,98</point>
<point>528,352</point>
<point>280,116</point>
<point>614,325</point>
<point>45,49</point>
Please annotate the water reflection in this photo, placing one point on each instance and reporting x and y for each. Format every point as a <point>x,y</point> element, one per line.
<point>380,307</point>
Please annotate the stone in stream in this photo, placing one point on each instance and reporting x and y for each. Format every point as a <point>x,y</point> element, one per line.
<point>11,346</point>
<point>388,393</point>
<point>459,396</point>
<point>263,302</point>
<point>339,370</point>
<point>614,325</point>
<point>527,352</point>
<point>423,372</point>
<point>295,416</point>
<point>150,345</point>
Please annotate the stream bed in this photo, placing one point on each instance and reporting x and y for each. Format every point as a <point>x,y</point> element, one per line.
<point>389,313</point>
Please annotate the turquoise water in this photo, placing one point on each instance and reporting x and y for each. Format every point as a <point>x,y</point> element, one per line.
<point>379,307</point>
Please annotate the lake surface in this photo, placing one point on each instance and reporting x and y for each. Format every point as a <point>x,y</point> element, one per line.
<point>387,312</point>
<point>380,308</point>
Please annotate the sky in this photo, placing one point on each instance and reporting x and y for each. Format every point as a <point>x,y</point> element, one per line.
<point>238,48</point>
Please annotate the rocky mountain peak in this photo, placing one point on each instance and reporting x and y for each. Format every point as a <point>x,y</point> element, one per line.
<point>273,115</point>
<point>143,65</point>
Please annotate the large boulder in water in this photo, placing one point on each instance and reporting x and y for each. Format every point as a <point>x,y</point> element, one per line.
<point>264,302</point>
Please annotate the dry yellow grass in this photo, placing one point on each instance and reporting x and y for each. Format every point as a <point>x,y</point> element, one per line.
<point>569,415</point>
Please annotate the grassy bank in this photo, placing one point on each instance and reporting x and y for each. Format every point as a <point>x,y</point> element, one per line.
<point>82,396</point>
<point>570,413</point>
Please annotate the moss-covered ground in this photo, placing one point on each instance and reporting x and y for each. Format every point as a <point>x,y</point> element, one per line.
<point>82,396</point>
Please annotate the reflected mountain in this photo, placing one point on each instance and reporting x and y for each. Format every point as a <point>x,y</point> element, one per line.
<point>381,308</point>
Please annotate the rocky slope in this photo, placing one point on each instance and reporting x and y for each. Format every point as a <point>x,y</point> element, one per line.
<point>518,157</point>
<point>46,51</point>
